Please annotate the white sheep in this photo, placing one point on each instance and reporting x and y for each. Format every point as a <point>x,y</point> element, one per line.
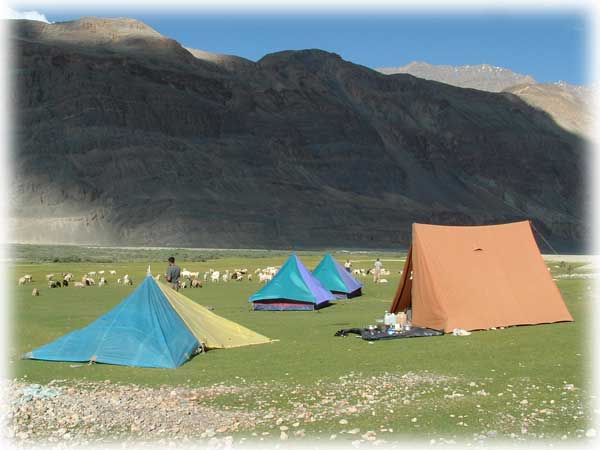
<point>214,276</point>
<point>112,272</point>
<point>22,281</point>
<point>264,277</point>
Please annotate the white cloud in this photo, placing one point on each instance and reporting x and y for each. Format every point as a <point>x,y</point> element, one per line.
<point>30,15</point>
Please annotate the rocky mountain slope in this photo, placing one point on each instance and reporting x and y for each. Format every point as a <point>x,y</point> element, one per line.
<point>125,137</point>
<point>484,77</point>
<point>567,104</point>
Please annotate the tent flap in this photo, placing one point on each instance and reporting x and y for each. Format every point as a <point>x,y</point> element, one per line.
<point>212,330</point>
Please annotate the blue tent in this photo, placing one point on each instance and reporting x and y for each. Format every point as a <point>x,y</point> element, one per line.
<point>143,330</point>
<point>335,278</point>
<point>292,288</point>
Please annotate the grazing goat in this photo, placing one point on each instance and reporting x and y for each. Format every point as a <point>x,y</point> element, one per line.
<point>112,272</point>
<point>102,282</point>
<point>214,276</point>
<point>28,278</point>
<point>65,283</point>
<point>196,283</point>
<point>54,284</point>
<point>22,281</point>
<point>35,292</point>
<point>49,276</point>
<point>78,284</point>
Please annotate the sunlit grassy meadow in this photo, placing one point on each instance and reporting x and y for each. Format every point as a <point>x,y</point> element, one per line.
<point>517,382</point>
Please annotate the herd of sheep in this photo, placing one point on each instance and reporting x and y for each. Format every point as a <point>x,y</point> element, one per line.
<point>188,278</point>
<point>65,279</point>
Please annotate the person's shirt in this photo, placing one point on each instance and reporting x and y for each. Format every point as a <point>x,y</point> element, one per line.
<point>348,264</point>
<point>173,273</point>
<point>378,264</point>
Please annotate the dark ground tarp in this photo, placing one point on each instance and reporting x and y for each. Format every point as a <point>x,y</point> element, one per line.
<point>378,334</point>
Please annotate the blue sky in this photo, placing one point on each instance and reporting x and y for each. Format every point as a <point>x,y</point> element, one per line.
<point>550,47</point>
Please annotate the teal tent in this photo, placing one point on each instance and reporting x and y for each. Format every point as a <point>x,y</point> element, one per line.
<point>143,330</point>
<point>292,288</point>
<point>335,278</point>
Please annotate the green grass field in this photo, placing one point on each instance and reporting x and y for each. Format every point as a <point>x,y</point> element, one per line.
<point>498,382</point>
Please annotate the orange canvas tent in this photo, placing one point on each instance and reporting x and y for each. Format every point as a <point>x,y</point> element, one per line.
<point>477,277</point>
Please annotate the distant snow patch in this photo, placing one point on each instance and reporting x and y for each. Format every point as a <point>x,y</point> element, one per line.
<point>29,15</point>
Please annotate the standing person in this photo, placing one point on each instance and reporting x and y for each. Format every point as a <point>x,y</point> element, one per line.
<point>348,266</point>
<point>173,273</point>
<point>377,271</point>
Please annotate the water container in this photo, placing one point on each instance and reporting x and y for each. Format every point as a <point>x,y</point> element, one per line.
<point>387,320</point>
